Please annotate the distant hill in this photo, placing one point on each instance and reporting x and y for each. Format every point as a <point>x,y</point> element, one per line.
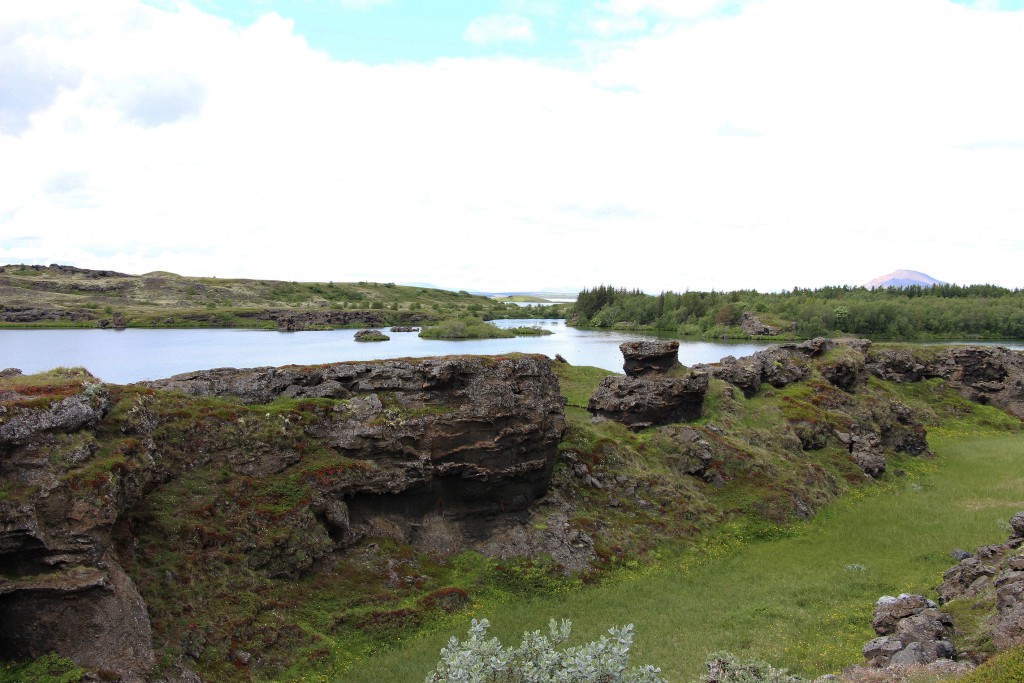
<point>903,278</point>
<point>66,296</point>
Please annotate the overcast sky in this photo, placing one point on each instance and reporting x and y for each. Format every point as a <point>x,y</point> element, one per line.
<point>517,144</point>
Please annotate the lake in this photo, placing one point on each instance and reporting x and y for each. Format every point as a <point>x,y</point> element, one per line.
<point>123,356</point>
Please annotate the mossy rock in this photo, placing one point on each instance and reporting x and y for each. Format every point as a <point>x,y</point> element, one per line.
<point>371,336</point>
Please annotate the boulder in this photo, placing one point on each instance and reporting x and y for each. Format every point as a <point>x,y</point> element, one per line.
<point>912,633</point>
<point>889,611</point>
<point>752,325</point>
<point>866,450</point>
<point>649,357</point>
<point>965,579</point>
<point>640,402</point>
<point>1017,524</point>
<point>745,374</point>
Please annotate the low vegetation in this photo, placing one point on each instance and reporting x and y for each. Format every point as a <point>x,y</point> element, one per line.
<point>464,328</point>
<point>50,668</point>
<point>468,327</point>
<point>537,659</point>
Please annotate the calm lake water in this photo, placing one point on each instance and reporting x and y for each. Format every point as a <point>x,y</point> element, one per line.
<point>123,356</point>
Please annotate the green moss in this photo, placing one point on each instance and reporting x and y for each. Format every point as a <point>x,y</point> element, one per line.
<point>50,668</point>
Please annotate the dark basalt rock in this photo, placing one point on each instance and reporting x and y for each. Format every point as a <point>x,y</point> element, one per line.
<point>985,374</point>
<point>846,372</point>
<point>291,320</point>
<point>649,357</point>
<point>427,449</point>
<point>640,402</point>
<point>912,632</point>
<point>784,364</point>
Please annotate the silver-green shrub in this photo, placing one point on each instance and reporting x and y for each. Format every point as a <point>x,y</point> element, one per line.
<point>538,660</point>
<point>724,667</point>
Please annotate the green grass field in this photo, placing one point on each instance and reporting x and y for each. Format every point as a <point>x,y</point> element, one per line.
<point>801,599</point>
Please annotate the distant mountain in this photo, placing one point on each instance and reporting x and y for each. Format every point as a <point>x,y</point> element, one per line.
<point>903,278</point>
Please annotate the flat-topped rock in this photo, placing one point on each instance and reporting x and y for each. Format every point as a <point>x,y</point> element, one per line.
<point>643,358</point>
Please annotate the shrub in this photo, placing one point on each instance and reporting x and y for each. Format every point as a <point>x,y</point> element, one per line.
<point>463,328</point>
<point>536,659</point>
<point>726,668</point>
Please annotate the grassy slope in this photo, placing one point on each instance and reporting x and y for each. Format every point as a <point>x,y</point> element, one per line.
<point>801,600</point>
<point>799,596</point>
<point>149,300</point>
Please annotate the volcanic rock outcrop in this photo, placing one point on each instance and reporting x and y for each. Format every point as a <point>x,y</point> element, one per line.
<point>783,364</point>
<point>913,631</point>
<point>649,357</point>
<point>994,571</point>
<point>416,449</point>
<point>751,324</point>
<point>991,375</point>
<point>646,396</point>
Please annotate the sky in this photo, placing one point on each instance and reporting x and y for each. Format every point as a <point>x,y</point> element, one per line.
<point>510,145</point>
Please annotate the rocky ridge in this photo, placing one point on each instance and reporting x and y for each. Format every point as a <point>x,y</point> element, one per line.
<point>657,391</point>
<point>436,452</point>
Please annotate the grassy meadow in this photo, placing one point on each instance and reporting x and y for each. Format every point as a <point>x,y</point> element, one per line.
<point>800,597</point>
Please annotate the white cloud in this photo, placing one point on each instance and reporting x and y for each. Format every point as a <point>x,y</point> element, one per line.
<point>30,83</point>
<point>159,98</point>
<point>887,136</point>
<point>499,28</point>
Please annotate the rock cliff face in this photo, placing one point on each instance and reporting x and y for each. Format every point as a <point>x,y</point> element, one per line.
<point>751,324</point>
<point>437,452</point>
<point>60,586</point>
<point>990,375</point>
<point>483,432</point>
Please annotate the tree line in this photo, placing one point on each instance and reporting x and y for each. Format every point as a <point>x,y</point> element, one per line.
<point>940,312</point>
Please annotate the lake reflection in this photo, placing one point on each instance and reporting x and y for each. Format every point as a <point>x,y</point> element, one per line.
<point>123,356</point>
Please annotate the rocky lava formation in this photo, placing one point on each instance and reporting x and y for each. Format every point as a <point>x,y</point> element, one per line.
<point>990,375</point>
<point>648,396</point>
<point>657,391</point>
<point>913,631</point>
<point>435,451</point>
